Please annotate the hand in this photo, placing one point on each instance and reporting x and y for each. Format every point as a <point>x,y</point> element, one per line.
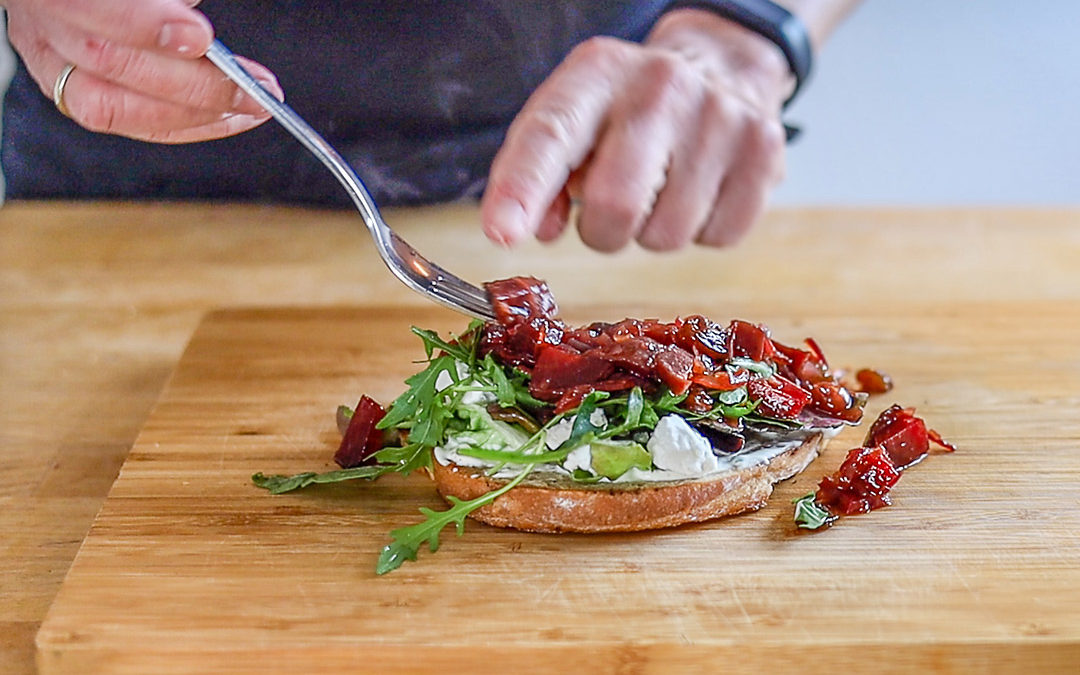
<point>138,67</point>
<point>672,141</point>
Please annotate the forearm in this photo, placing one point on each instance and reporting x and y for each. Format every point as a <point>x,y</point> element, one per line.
<point>821,17</point>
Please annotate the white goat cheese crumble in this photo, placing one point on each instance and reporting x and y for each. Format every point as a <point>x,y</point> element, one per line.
<point>676,446</point>
<point>579,458</point>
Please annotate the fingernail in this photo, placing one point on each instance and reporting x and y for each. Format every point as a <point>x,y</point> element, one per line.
<point>246,104</point>
<point>272,86</point>
<point>184,38</point>
<point>506,224</point>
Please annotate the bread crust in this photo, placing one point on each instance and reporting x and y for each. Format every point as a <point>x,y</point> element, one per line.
<point>624,507</point>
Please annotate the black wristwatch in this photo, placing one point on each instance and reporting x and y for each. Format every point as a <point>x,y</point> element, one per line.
<point>769,20</point>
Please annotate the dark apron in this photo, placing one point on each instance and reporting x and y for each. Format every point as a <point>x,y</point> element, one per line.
<point>416,95</point>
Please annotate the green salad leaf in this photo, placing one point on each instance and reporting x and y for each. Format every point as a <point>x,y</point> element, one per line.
<point>463,348</point>
<point>421,408</point>
<point>277,484</point>
<point>810,516</point>
<point>408,540</point>
<point>391,459</point>
<point>583,429</point>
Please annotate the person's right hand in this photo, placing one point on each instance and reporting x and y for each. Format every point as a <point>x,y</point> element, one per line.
<point>138,67</point>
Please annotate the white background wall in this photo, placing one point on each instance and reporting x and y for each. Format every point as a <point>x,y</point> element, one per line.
<point>932,102</point>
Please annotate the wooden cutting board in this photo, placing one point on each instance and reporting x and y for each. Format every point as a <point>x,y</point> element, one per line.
<point>189,568</point>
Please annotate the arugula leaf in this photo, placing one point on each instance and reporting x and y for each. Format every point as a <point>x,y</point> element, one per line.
<point>421,408</point>
<point>810,516</point>
<point>519,380</point>
<point>421,395</point>
<point>635,405</point>
<point>408,540</point>
<point>405,458</point>
<point>278,484</point>
<point>583,429</point>
<point>505,392</point>
<point>733,411</point>
<point>730,404</point>
<point>649,416</point>
<point>462,349</point>
<point>668,401</point>
<point>635,415</point>
<point>520,456</point>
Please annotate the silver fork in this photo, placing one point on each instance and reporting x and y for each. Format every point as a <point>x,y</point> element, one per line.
<point>413,269</point>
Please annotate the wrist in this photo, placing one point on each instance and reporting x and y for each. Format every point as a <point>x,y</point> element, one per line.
<point>728,52</point>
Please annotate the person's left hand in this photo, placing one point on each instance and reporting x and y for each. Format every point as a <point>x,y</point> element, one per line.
<point>670,142</point>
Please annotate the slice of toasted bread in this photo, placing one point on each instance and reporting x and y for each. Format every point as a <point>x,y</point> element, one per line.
<point>551,503</point>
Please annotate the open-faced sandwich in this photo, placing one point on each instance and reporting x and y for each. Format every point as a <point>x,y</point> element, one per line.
<point>532,424</point>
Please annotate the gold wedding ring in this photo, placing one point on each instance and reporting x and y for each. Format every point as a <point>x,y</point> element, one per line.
<point>58,89</point>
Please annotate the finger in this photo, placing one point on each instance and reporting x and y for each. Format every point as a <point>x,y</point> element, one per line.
<point>566,206</point>
<point>632,160</point>
<point>693,183</point>
<point>550,137</point>
<point>166,25</point>
<point>229,125</point>
<point>744,192</point>
<point>195,84</point>
<point>100,105</point>
<point>556,219</point>
<point>741,201</point>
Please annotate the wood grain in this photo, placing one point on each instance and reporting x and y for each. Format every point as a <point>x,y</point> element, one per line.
<point>980,549</point>
<point>97,301</point>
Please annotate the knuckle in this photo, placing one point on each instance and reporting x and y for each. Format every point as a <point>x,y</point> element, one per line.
<point>513,186</point>
<point>618,206</point>
<point>136,70</point>
<point>598,50</point>
<point>110,60</point>
<point>765,137</point>
<point>554,123</point>
<point>523,184</point>
<point>665,70</point>
<point>718,108</point>
<point>669,83</point>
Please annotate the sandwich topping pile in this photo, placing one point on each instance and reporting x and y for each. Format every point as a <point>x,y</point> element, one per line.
<point>528,423</point>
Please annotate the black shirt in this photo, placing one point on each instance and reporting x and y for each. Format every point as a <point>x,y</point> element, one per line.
<point>417,96</point>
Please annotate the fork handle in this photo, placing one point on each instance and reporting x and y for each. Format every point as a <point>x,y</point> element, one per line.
<point>220,56</point>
